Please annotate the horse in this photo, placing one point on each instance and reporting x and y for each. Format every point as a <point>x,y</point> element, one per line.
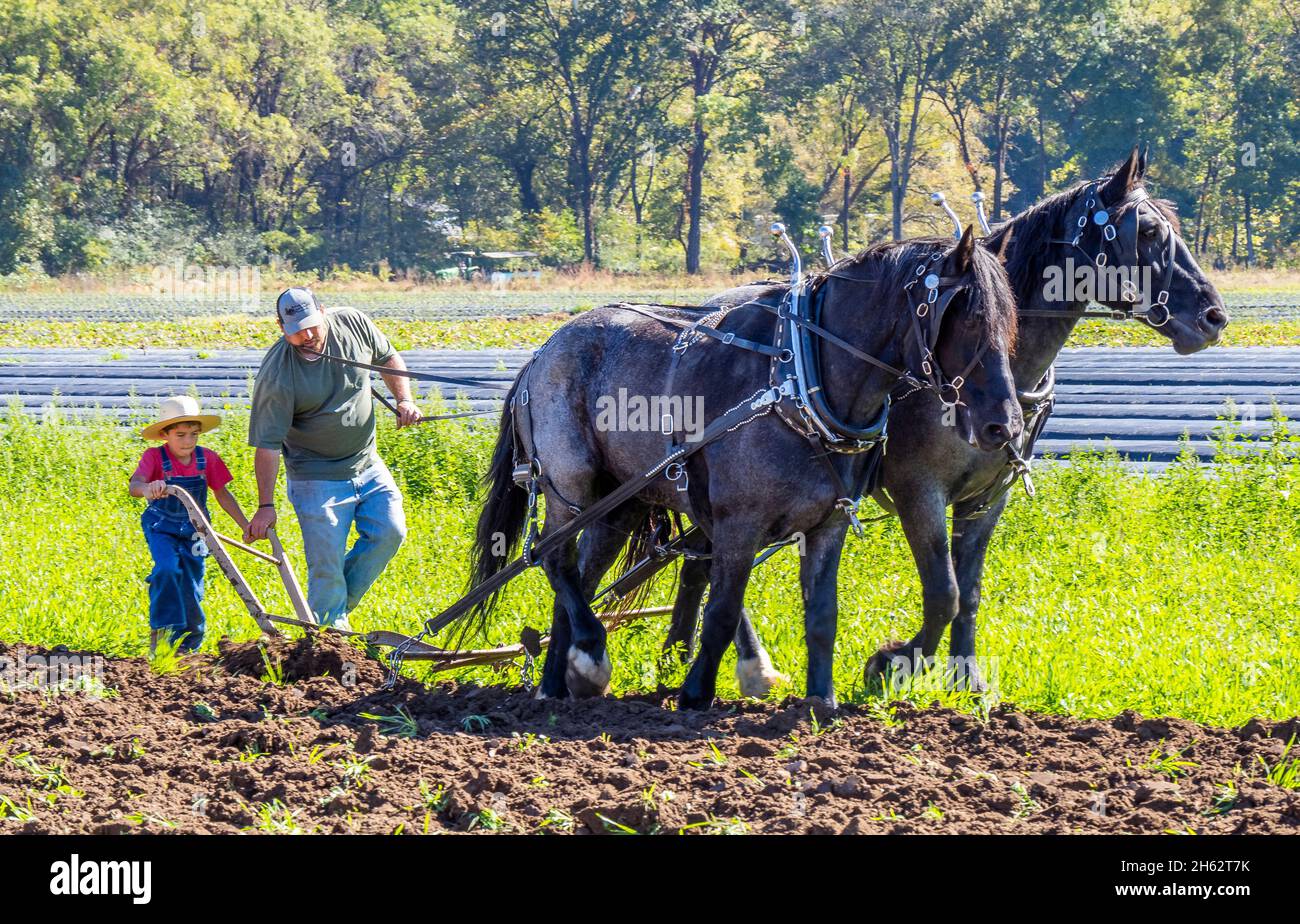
<point>928,468</point>
<point>767,473</point>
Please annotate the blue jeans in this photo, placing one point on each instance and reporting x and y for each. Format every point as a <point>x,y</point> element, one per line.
<point>176,582</point>
<point>326,510</point>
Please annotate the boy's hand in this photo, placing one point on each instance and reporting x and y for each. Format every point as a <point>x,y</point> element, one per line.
<point>155,490</point>
<point>263,520</point>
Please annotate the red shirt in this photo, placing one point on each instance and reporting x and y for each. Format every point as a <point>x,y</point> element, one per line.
<point>215,473</point>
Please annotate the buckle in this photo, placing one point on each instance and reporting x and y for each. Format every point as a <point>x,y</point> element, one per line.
<point>850,508</point>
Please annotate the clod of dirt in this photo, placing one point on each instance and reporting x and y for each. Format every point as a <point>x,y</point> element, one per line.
<point>317,654</point>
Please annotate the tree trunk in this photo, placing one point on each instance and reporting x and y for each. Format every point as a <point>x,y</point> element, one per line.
<point>582,178</point>
<point>524,171</point>
<point>1042,155</point>
<point>1250,229</point>
<point>1004,124</point>
<point>695,197</point>
<point>844,211</point>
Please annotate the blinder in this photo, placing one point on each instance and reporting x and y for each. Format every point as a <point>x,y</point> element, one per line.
<point>931,309</point>
<point>1097,214</point>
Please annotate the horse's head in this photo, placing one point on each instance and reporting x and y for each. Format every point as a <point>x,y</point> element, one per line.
<point>1162,285</point>
<point>969,365</point>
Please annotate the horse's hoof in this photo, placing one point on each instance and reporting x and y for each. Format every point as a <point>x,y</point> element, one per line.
<point>756,676</point>
<point>821,707</point>
<point>686,703</point>
<point>584,676</point>
<point>970,679</point>
<point>882,662</point>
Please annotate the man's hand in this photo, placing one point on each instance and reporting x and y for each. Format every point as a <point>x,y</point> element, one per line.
<point>263,520</point>
<point>155,490</point>
<point>408,414</point>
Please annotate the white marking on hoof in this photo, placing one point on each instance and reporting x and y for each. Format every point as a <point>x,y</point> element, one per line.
<point>584,676</point>
<point>757,676</point>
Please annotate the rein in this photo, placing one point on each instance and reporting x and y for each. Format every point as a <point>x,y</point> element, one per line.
<point>408,374</point>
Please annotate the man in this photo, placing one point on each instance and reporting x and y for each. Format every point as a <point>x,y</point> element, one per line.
<point>319,415</point>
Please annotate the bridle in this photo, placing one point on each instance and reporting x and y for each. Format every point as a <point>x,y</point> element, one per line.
<point>935,306</point>
<point>1098,215</point>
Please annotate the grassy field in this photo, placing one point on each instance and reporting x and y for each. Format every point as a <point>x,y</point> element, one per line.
<point>1173,595</point>
<point>228,332</point>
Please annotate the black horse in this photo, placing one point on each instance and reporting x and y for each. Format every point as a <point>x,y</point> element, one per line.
<point>928,468</point>
<point>762,481</point>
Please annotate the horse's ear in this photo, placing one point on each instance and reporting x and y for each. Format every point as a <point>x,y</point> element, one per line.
<point>1125,178</point>
<point>965,249</point>
<point>1142,161</point>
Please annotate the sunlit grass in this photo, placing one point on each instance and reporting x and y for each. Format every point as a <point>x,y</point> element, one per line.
<point>1173,595</point>
<point>228,332</point>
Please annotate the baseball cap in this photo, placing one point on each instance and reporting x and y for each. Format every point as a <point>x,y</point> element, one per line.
<point>298,309</point>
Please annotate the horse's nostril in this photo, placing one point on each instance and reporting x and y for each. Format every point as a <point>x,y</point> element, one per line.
<point>1216,319</point>
<point>997,434</point>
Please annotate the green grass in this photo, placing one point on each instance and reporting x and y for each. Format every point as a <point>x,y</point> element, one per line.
<point>1172,595</point>
<point>244,332</point>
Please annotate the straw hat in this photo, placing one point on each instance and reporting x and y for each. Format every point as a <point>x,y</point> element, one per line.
<point>175,410</point>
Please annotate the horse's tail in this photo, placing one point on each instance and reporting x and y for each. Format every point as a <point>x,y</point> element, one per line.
<point>505,511</point>
<point>640,545</point>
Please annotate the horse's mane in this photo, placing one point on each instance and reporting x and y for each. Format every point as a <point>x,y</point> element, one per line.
<point>891,265</point>
<point>1032,232</point>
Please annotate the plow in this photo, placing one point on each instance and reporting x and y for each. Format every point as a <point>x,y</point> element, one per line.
<point>219,546</point>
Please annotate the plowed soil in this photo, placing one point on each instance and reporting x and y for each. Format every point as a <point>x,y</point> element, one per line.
<point>216,748</point>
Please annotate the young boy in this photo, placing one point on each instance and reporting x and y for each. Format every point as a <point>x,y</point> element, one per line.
<point>176,582</point>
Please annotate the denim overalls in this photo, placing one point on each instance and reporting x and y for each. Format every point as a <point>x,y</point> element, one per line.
<point>176,582</point>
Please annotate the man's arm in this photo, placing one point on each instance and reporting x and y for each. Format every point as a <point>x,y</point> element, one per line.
<point>400,387</point>
<point>266,466</point>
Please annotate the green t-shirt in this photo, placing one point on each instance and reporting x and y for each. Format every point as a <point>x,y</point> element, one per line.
<point>320,414</point>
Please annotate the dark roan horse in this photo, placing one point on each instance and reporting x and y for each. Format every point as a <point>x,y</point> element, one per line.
<point>929,468</point>
<point>762,481</point>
